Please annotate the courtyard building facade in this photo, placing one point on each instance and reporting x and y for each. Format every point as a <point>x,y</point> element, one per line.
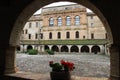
<point>68,28</point>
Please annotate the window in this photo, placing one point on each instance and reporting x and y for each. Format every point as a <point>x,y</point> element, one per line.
<point>36,36</point>
<point>30,25</point>
<point>36,24</point>
<point>106,36</point>
<point>77,34</point>
<point>68,35</point>
<point>59,35</point>
<point>26,31</point>
<point>92,36</point>
<point>59,21</point>
<point>68,21</point>
<point>40,35</point>
<point>92,24</point>
<point>51,22</point>
<point>91,17</point>
<point>40,30</point>
<point>29,36</point>
<point>83,37</point>
<point>77,20</point>
<point>50,35</point>
<point>22,31</point>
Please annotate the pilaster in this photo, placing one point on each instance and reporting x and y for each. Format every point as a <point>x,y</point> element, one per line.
<point>2,60</point>
<point>10,60</point>
<point>115,62</point>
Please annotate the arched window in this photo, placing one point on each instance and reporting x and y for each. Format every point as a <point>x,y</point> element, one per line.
<point>68,35</point>
<point>77,34</point>
<point>77,20</point>
<point>59,35</point>
<point>37,24</point>
<point>59,21</point>
<point>51,21</point>
<point>68,21</point>
<point>30,25</point>
<point>50,35</point>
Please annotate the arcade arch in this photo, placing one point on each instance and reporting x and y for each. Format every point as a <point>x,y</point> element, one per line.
<point>85,49</point>
<point>74,49</point>
<point>55,48</point>
<point>18,48</point>
<point>46,47</point>
<point>28,11</point>
<point>95,49</point>
<point>64,48</point>
<point>29,47</point>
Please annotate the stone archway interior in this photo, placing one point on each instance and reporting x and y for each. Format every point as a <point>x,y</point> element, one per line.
<point>29,10</point>
<point>46,47</point>
<point>85,49</point>
<point>64,49</point>
<point>95,49</point>
<point>18,48</point>
<point>55,48</point>
<point>29,47</point>
<point>74,49</point>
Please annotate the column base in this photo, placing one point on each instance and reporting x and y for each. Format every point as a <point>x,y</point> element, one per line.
<point>114,77</point>
<point>10,70</point>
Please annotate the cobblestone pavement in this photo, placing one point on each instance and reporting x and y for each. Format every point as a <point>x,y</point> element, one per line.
<point>86,65</point>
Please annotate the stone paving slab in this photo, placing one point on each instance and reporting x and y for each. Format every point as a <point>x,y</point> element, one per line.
<point>86,65</point>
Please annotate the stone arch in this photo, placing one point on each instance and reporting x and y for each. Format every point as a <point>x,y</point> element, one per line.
<point>95,49</point>
<point>55,48</point>
<point>64,48</point>
<point>18,48</point>
<point>85,49</point>
<point>46,47</point>
<point>74,48</point>
<point>29,47</point>
<point>29,10</point>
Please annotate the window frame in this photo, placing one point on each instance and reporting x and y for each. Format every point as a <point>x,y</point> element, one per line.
<point>68,21</point>
<point>51,21</point>
<point>77,20</point>
<point>59,21</point>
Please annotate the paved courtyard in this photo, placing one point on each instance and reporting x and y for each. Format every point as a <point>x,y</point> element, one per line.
<point>86,65</point>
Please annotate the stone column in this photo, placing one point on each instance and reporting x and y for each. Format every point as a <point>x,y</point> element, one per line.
<point>79,46</point>
<point>2,60</point>
<point>59,47</point>
<point>90,48</point>
<point>115,62</point>
<point>69,48</point>
<point>42,48</point>
<point>50,46</point>
<point>10,60</point>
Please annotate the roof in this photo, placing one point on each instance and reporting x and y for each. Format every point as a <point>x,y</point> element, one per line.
<point>67,42</point>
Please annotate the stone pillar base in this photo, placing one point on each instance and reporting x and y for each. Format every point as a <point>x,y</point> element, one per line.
<point>113,77</point>
<point>10,60</point>
<point>10,70</point>
<point>115,62</point>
